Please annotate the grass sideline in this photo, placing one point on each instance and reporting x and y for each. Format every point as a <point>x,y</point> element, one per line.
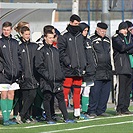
<point>111,124</point>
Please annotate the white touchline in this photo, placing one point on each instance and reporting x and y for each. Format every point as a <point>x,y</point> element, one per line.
<point>112,117</point>
<point>79,128</point>
<point>46,125</point>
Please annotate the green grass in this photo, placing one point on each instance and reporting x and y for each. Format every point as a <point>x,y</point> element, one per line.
<point>112,124</point>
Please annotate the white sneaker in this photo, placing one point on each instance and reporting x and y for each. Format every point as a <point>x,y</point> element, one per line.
<point>18,119</point>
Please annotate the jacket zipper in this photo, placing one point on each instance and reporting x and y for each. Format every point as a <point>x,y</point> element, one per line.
<point>11,58</point>
<point>77,54</point>
<point>53,65</point>
<point>121,61</point>
<point>28,56</point>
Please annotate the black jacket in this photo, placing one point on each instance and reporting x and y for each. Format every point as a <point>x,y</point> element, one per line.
<point>48,66</point>
<point>28,80</point>
<point>91,61</point>
<point>121,56</point>
<point>10,62</point>
<point>102,49</point>
<point>72,53</point>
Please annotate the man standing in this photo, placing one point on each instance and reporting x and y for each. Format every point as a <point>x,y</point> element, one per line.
<point>123,61</point>
<point>73,61</point>
<point>99,93</point>
<point>48,66</point>
<point>10,71</point>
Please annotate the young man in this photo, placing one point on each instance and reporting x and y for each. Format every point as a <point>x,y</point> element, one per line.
<point>17,102</point>
<point>10,70</point>
<point>99,93</point>
<point>28,82</point>
<point>48,66</point>
<point>73,61</point>
<point>123,61</point>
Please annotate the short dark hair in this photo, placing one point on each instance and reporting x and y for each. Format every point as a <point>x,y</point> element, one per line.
<point>7,24</point>
<point>48,32</point>
<point>48,28</point>
<point>23,29</point>
<point>75,17</point>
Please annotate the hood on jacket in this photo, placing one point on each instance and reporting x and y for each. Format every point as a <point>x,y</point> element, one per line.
<point>83,26</point>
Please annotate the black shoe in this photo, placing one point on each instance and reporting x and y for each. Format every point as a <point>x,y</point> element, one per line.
<point>39,119</point>
<point>104,115</point>
<point>127,112</point>
<point>118,113</point>
<point>56,117</point>
<point>76,117</point>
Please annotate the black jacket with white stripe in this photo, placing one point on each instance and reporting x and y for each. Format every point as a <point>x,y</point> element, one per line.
<point>102,50</point>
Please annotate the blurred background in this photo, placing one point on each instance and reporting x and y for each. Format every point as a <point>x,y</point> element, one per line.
<point>91,11</point>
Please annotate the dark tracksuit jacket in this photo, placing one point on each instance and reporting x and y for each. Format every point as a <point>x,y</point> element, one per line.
<point>10,62</point>
<point>28,50</point>
<point>72,53</point>
<point>48,66</point>
<point>123,69</point>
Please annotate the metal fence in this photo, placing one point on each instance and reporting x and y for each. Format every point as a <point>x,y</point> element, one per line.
<point>88,9</point>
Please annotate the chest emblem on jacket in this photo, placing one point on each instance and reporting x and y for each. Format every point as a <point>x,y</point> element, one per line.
<point>23,51</point>
<point>4,46</point>
<point>97,42</point>
<point>47,53</point>
<point>70,39</point>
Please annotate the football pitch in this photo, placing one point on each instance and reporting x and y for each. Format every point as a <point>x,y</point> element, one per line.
<point>111,124</point>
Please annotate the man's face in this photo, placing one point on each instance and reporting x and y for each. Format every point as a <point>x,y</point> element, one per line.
<point>49,39</point>
<point>101,32</point>
<point>124,32</point>
<point>74,23</point>
<point>6,31</point>
<point>26,35</point>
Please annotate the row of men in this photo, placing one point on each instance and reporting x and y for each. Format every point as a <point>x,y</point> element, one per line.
<point>56,70</point>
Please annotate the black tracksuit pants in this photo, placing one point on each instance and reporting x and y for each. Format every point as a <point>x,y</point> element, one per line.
<point>28,96</point>
<point>17,102</point>
<point>125,86</point>
<point>47,106</point>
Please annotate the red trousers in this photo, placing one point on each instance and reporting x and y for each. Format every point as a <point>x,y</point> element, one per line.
<point>76,82</point>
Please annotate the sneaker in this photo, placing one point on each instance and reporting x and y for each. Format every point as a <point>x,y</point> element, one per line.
<point>127,112</point>
<point>119,113</point>
<point>13,119</point>
<point>70,121</point>
<point>12,123</point>
<point>51,122</point>
<point>6,123</point>
<point>44,115</point>
<point>33,120</point>
<point>18,120</point>
<point>56,117</point>
<point>93,115</point>
<point>27,121</point>
<point>39,119</point>
<point>84,116</point>
<point>77,117</point>
<point>104,115</point>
